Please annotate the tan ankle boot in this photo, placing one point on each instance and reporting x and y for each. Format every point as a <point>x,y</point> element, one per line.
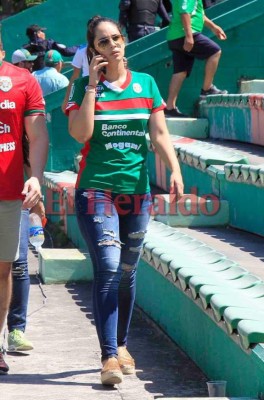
<point>111,373</point>
<point>126,362</point>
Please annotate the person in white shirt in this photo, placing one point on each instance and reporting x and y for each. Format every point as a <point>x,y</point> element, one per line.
<point>80,64</point>
<point>80,60</point>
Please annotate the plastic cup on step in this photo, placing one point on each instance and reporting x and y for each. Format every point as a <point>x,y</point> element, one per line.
<point>216,388</point>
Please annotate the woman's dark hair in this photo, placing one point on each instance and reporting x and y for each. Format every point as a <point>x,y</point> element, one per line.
<point>91,28</point>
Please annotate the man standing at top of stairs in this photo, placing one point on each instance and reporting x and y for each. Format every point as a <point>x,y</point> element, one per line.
<point>187,43</point>
<point>138,17</point>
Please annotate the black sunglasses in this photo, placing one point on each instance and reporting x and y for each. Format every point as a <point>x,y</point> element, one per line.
<point>105,42</point>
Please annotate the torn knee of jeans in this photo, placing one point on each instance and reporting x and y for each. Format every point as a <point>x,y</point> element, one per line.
<point>98,219</point>
<point>135,249</point>
<point>109,242</point>
<point>127,267</point>
<point>19,271</point>
<point>137,235</point>
<point>109,233</point>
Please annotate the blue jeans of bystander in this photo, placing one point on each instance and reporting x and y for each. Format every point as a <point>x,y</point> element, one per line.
<point>17,315</point>
<point>113,227</point>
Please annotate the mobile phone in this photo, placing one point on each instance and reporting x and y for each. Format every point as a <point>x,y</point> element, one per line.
<point>103,69</point>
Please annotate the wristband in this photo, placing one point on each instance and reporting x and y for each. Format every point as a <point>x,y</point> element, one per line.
<point>94,87</point>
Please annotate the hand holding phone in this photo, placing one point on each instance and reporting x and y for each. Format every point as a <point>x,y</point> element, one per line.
<point>103,68</point>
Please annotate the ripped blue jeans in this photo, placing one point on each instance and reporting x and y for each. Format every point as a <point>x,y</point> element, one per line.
<point>113,227</point>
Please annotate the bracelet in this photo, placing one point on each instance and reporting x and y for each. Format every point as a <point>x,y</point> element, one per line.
<point>91,91</point>
<point>91,86</point>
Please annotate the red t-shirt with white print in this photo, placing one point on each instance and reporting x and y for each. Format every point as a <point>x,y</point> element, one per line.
<point>20,96</point>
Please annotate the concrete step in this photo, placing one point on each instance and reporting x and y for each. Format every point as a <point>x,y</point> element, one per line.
<point>250,333</point>
<point>253,86</point>
<point>222,277</point>
<point>233,315</point>
<point>254,153</point>
<point>196,128</point>
<point>243,248</point>
<point>206,287</point>
<point>191,211</point>
<point>235,116</point>
<point>64,265</point>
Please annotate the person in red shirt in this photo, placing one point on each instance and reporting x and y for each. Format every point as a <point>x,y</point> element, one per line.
<point>17,314</point>
<point>21,105</point>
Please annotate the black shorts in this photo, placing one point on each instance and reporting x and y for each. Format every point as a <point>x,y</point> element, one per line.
<point>203,48</point>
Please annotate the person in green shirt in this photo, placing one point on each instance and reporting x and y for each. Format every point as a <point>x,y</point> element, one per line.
<point>187,43</point>
<point>111,112</point>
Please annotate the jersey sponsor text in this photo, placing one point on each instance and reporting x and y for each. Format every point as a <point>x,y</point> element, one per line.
<point>119,130</point>
<point>7,105</point>
<point>4,147</point>
<point>122,146</point>
<point>4,128</point>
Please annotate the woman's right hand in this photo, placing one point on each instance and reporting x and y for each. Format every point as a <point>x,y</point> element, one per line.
<point>95,69</point>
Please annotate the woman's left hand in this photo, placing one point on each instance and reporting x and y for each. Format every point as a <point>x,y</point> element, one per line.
<point>176,186</point>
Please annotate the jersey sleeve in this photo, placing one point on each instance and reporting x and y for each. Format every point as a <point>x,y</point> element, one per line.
<point>76,95</point>
<point>35,103</point>
<point>158,102</point>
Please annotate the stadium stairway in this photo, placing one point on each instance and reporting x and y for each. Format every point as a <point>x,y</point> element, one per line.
<point>201,272</point>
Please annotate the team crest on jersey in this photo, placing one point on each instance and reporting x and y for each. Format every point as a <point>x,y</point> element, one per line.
<point>99,91</point>
<point>5,83</point>
<point>137,88</point>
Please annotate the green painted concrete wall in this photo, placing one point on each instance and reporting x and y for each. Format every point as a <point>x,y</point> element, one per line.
<point>65,21</point>
<point>198,335</point>
<point>246,205</point>
<point>62,147</point>
<point>195,181</point>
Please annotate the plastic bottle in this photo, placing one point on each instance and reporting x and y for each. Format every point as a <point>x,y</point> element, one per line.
<point>36,233</point>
